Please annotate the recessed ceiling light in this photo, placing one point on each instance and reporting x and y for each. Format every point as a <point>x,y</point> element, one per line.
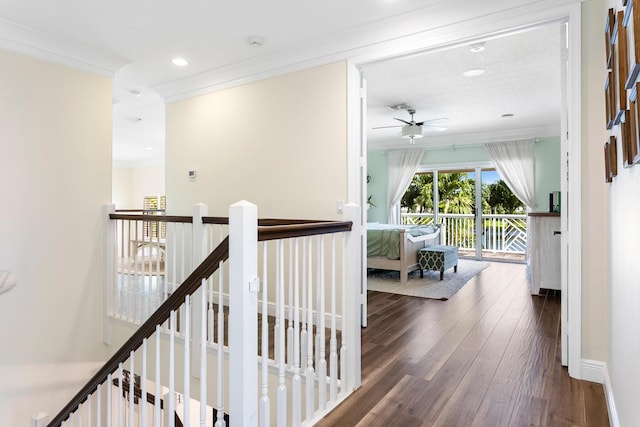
<point>507,115</point>
<point>149,148</point>
<point>474,72</point>
<point>180,62</point>
<point>476,47</point>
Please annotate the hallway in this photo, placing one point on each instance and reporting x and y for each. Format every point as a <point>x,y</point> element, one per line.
<point>489,356</point>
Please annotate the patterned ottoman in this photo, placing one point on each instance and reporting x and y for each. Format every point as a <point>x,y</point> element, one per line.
<point>438,258</point>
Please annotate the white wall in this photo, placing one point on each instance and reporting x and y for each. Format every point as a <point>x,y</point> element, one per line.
<point>132,184</point>
<point>279,143</point>
<point>616,217</point>
<point>55,170</point>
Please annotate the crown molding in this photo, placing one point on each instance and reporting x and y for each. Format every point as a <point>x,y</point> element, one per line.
<point>38,44</point>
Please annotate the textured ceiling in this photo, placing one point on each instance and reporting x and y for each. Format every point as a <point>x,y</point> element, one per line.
<point>522,78</point>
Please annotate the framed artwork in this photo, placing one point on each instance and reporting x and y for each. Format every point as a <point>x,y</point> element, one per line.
<point>631,17</point>
<point>608,33</point>
<point>610,159</point>
<point>610,94</point>
<point>630,146</point>
<point>607,163</point>
<point>620,41</point>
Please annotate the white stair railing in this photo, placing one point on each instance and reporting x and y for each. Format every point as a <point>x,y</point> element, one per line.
<point>179,363</point>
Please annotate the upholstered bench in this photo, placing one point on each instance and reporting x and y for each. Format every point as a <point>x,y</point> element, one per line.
<point>438,258</point>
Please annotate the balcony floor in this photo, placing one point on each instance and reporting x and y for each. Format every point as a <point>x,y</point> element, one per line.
<point>489,356</point>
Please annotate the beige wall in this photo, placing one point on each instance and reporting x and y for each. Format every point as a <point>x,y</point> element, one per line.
<point>132,184</point>
<point>279,143</point>
<point>55,170</point>
<point>595,246</point>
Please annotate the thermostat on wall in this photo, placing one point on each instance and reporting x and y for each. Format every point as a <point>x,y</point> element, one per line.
<point>192,173</point>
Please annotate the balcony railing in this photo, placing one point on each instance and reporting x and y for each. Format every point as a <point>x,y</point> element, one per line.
<point>501,234</point>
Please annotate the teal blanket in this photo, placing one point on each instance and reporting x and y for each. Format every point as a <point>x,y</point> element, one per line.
<point>384,239</point>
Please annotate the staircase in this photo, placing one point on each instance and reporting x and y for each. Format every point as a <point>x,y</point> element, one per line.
<point>264,328</point>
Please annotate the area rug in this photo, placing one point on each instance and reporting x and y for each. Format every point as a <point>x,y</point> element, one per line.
<point>429,287</point>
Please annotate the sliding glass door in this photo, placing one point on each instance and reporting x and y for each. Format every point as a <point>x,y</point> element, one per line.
<point>478,212</point>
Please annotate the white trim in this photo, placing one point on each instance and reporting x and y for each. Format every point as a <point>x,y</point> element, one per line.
<point>34,43</point>
<point>444,167</point>
<point>574,205</point>
<point>614,421</point>
<point>517,18</point>
<point>593,370</point>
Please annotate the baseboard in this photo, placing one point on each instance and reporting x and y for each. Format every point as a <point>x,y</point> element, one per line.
<point>592,370</point>
<point>608,394</point>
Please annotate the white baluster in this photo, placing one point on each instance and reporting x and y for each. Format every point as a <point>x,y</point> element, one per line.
<point>303,332</point>
<point>187,360</point>
<point>281,414</point>
<point>89,401</point>
<point>264,402</point>
<point>203,353</point>
<point>322,363</point>
<point>296,387</point>
<point>156,403</point>
<point>220,408</point>
<point>171,395</point>
<point>109,391</point>
<point>131,390</point>
<point>120,394</point>
<point>309,370</point>
<point>99,407</point>
<point>279,322</point>
<point>333,343</point>
<point>143,385</point>
<point>136,279</point>
<point>290,320</point>
<point>343,335</point>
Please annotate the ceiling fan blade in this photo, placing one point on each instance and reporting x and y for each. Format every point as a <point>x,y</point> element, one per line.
<point>436,127</point>
<point>386,127</point>
<point>403,121</point>
<point>433,120</point>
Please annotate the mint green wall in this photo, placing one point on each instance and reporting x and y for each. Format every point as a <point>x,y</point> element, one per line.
<point>547,171</point>
<point>377,186</point>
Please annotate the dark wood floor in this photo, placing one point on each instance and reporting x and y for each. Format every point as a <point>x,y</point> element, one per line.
<point>490,356</point>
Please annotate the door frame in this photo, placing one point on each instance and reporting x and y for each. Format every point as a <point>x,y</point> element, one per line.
<point>503,22</point>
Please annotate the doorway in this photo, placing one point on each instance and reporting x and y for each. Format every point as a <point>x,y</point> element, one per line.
<point>556,15</point>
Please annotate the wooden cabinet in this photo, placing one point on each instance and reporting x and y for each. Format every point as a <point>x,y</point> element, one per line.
<point>544,247</point>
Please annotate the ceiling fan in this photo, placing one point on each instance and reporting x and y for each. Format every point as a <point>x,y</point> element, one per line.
<point>412,129</point>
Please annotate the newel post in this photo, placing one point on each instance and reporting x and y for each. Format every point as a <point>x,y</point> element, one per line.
<point>243,314</point>
<point>110,256</point>
<point>353,294</point>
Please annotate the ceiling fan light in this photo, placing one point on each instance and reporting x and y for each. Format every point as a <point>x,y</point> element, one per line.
<point>412,131</point>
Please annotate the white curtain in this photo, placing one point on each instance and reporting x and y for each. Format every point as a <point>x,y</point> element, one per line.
<point>402,166</point>
<point>515,163</point>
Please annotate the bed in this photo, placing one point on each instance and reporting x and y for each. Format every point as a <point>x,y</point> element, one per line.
<point>395,247</point>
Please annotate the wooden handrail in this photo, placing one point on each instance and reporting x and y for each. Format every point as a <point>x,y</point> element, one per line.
<point>152,218</point>
<point>274,232</point>
<point>295,228</point>
<point>175,300</point>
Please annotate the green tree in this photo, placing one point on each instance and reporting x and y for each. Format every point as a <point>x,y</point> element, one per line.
<point>502,200</point>
<point>456,193</point>
<point>418,196</point>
